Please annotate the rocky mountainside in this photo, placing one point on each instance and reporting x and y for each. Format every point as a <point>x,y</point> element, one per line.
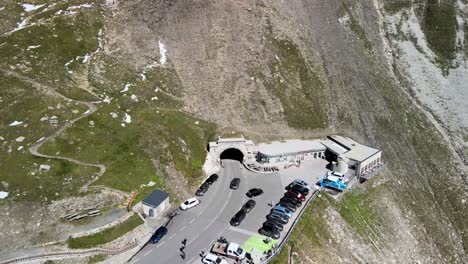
<point>172,74</point>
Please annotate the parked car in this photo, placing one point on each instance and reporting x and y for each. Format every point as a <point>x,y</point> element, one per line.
<point>302,183</point>
<point>280,218</point>
<point>298,188</point>
<point>254,192</point>
<point>213,259</point>
<point>295,195</point>
<point>274,224</point>
<point>235,183</point>
<point>249,205</point>
<point>192,202</point>
<point>158,235</point>
<point>289,206</point>
<point>269,232</point>
<point>237,218</point>
<point>212,178</point>
<point>291,200</point>
<point>283,210</point>
<point>202,189</point>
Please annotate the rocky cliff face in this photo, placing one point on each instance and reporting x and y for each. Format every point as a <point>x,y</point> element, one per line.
<point>381,71</point>
<point>389,73</point>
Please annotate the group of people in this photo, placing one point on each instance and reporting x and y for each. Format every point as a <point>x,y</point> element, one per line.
<point>182,249</point>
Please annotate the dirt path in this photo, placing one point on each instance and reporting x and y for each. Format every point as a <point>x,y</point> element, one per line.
<point>34,149</point>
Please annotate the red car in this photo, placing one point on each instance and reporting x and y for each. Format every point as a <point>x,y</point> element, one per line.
<point>295,195</point>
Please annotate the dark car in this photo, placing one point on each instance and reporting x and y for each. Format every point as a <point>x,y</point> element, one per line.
<point>269,231</point>
<point>282,219</point>
<point>295,195</point>
<point>235,183</point>
<point>291,200</point>
<point>238,217</point>
<point>289,206</point>
<point>212,179</point>
<point>298,188</point>
<point>254,192</point>
<point>248,206</point>
<point>275,224</point>
<point>202,189</point>
<point>160,233</point>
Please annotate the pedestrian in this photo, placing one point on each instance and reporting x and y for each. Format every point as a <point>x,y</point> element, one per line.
<point>182,255</point>
<point>184,242</point>
<point>270,203</point>
<point>202,254</point>
<point>182,249</point>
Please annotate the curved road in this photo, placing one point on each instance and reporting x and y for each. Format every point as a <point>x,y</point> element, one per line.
<point>34,149</point>
<point>201,225</point>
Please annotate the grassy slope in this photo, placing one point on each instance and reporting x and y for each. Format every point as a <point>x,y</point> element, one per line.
<point>107,235</point>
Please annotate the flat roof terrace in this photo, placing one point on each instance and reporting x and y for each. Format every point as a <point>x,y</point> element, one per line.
<point>289,147</point>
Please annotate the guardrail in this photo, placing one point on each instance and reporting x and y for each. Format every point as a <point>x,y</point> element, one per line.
<point>67,254</point>
<point>288,234</point>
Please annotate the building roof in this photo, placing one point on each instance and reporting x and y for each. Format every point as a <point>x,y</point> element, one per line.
<point>334,147</point>
<point>355,151</point>
<point>287,147</point>
<point>155,198</point>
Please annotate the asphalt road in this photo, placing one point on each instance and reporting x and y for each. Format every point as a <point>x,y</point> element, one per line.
<point>201,225</point>
<point>204,224</point>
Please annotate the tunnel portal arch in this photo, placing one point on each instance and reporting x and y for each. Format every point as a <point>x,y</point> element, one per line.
<point>232,154</point>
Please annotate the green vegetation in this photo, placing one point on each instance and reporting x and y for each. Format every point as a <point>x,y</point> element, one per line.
<point>96,259</point>
<point>296,84</point>
<point>440,26</point>
<point>355,26</point>
<point>395,6</point>
<point>107,235</point>
<point>311,233</point>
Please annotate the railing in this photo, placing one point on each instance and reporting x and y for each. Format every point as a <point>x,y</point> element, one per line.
<point>288,234</point>
<point>67,254</point>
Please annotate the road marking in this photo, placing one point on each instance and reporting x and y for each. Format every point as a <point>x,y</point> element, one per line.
<point>242,231</point>
<point>191,221</point>
<point>172,236</point>
<point>149,251</point>
<point>161,244</point>
<point>182,228</point>
<point>134,261</point>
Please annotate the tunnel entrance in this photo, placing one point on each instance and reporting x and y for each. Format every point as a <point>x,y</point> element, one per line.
<point>232,154</point>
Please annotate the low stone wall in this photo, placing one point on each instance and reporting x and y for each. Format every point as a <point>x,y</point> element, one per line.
<point>101,228</point>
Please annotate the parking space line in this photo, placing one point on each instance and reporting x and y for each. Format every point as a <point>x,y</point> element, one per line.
<point>191,221</point>
<point>161,244</point>
<point>242,231</point>
<point>182,228</point>
<point>149,251</point>
<point>172,236</point>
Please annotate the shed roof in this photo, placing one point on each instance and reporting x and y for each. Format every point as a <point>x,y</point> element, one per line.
<point>287,147</point>
<point>155,198</point>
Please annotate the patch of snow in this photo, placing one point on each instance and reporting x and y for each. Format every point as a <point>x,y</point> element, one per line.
<point>107,100</point>
<point>86,112</point>
<point>16,123</point>
<point>1,8</point>
<point>70,72</point>
<point>134,97</point>
<point>20,148</point>
<point>156,90</point>
<point>126,87</point>
<point>39,140</point>
<point>344,20</point>
<point>123,125</point>
<point>154,98</point>
<point>33,47</point>
<point>2,138</point>
<point>162,53</point>
<point>20,139</point>
<point>86,58</point>
<point>143,76</point>
<point>91,123</point>
<point>113,114</point>
<point>412,28</point>
<point>197,122</point>
<point>30,8</point>
<point>80,6</point>
<point>127,118</point>
<point>3,195</point>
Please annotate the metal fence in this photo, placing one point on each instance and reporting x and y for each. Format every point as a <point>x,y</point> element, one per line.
<point>66,254</point>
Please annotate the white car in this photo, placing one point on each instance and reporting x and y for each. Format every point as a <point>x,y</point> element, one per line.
<point>213,259</point>
<point>192,202</point>
<point>301,183</point>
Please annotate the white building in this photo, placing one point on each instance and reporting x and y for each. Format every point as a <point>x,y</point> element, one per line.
<point>155,203</point>
<point>289,150</point>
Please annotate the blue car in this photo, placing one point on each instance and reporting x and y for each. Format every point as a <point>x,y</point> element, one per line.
<point>158,235</point>
<point>283,210</point>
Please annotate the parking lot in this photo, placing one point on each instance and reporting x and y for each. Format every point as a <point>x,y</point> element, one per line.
<point>204,224</point>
